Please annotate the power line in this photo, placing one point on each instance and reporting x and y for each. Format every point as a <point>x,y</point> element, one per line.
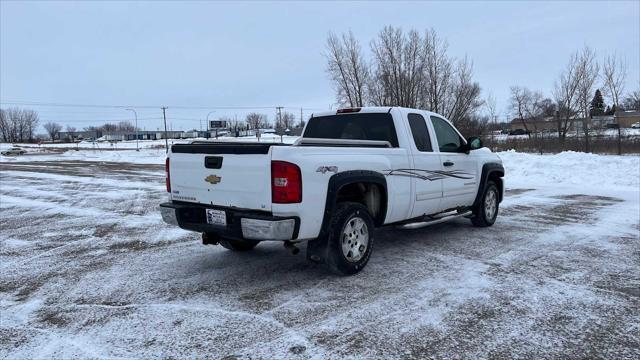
<point>35,103</point>
<point>107,120</point>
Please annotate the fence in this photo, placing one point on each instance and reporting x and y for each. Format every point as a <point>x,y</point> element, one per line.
<point>597,144</point>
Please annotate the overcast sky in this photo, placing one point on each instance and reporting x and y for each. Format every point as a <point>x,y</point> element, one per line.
<point>214,54</point>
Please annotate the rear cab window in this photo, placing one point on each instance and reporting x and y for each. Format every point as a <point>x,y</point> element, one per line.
<point>420,132</point>
<point>353,126</point>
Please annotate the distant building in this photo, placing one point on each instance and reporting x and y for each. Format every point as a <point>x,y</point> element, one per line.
<point>601,121</point>
<point>79,135</point>
<point>543,124</point>
<point>576,124</point>
<point>143,135</point>
<point>626,118</point>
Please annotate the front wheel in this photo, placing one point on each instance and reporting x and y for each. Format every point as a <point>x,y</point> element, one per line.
<point>350,238</point>
<point>486,211</point>
<point>238,245</point>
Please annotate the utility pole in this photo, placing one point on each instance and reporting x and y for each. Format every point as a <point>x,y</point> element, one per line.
<point>166,140</point>
<point>279,110</point>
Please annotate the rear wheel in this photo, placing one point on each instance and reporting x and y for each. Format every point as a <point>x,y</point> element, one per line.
<point>238,245</point>
<point>350,238</point>
<point>486,211</point>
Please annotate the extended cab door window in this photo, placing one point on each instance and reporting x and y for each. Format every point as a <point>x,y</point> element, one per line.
<point>420,133</point>
<point>448,138</point>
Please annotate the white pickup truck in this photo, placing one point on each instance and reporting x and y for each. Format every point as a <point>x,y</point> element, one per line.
<point>351,171</point>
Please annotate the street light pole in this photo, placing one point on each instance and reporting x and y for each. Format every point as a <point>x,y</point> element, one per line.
<point>136,115</point>
<point>166,140</point>
<point>210,112</point>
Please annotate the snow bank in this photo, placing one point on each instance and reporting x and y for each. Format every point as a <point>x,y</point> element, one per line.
<point>571,169</point>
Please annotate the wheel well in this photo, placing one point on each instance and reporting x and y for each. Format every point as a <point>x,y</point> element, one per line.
<point>496,177</point>
<point>369,194</point>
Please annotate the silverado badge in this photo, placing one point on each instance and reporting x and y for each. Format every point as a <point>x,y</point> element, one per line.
<point>213,179</point>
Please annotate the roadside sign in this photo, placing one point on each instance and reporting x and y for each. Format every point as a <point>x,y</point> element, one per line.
<point>217,124</point>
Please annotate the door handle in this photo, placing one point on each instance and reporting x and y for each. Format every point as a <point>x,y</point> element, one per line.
<point>447,163</point>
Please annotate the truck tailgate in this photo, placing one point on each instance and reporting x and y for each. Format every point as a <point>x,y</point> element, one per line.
<point>223,174</point>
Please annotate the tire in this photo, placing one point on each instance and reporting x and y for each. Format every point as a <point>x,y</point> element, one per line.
<point>486,212</point>
<point>238,245</point>
<point>350,238</point>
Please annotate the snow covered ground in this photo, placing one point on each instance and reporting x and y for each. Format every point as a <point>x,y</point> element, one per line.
<point>89,270</point>
<point>131,144</point>
<point>151,151</point>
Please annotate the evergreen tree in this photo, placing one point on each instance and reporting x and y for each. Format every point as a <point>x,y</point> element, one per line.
<point>597,104</point>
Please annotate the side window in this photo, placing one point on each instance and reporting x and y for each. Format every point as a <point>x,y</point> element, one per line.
<point>420,132</point>
<point>448,138</point>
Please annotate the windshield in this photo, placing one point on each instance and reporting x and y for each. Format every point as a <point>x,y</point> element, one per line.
<point>360,126</point>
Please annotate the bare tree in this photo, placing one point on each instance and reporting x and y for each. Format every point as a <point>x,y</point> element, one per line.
<point>519,102</point>
<point>416,71</point>
<point>566,95</point>
<point>529,106</point>
<point>126,126</point>
<point>53,129</point>
<point>547,107</point>
<point>614,74</point>
<point>18,125</point>
<point>588,69</point>
<point>71,132</point>
<point>235,124</point>
<point>15,124</point>
<point>587,72</point>
<point>286,121</point>
<point>632,101</point>
<point>408,70</point>
<point>347,69</point>
<point>30,120</point>
<point>109,127</point>
<point>256,120</point>
<point>438,72</point>
<point>490,105</point>
<point>4,125</point>
<point>463,99</point>
<point>399,67</point>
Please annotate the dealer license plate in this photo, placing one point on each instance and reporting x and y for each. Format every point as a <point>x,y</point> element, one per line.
<point>216,217</point>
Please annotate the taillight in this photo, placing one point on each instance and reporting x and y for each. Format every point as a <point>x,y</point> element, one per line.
<point>286,183</point>
<point>166,169</point>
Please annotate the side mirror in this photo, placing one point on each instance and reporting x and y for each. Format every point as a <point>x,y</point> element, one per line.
<point>474,143</point>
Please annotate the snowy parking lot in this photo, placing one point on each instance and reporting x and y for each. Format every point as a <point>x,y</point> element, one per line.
<point>89,270</point>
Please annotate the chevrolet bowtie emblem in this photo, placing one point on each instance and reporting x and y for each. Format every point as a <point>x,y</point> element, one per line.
<point>213,179</point>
